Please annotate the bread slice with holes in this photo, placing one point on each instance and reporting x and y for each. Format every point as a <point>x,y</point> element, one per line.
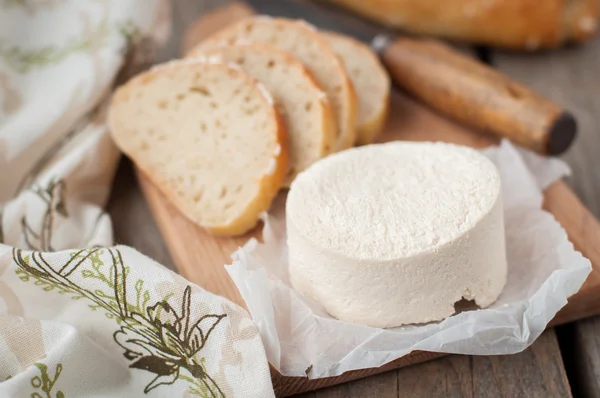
<point>208,136</point>
<point>299,100</point>
<point>305,43</point>
<point>370,80</point>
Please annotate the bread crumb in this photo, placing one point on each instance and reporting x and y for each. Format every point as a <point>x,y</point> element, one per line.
<point>265,93</point>
<point>174,63</point>
<point>380,42</point>
<point>235,66</point>
<point>218,59</point>
<point>322,95</point>
<point>240,42</point>
<point>307,25</point>
<point>263,17</point>
<point>272,166</point>
<point>213,59</point>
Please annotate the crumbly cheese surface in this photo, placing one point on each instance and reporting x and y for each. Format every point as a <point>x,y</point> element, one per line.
<point>389,200</point>
<point>396,233</point>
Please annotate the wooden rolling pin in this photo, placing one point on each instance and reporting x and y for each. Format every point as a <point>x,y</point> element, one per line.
<point>457,86</point>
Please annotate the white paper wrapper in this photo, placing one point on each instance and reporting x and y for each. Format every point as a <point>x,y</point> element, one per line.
<point>543,270</point>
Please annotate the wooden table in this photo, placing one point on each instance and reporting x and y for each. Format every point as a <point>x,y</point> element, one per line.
<point>564,361</point>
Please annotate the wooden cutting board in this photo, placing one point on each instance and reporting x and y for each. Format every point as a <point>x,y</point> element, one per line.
<point>200,257</point>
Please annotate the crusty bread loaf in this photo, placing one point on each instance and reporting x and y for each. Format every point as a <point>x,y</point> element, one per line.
<point>302,41</point>
<point>371,82</point>
<point>208,136</point>
<point>301,103</point>
<point>515,24</point>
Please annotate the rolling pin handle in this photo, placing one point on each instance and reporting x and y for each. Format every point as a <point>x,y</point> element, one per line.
<point>562,134</point>
<point>475,94</point>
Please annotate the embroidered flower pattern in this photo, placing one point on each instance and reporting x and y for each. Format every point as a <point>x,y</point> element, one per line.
<point>163,342</point>
<point>156,338</point>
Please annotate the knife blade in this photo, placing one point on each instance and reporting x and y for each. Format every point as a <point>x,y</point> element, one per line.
<point>450,82</point>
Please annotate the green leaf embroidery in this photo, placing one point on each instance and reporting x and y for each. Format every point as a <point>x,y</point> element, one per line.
<point>22,3</point>
<point>53,197</point>
<point>24,60</point>
<point>157,338</point>
<point>45,382</point>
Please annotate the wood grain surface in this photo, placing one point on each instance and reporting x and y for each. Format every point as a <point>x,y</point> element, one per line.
<point>572,78</point>
<point>454,376</point>
<point>536,372</point>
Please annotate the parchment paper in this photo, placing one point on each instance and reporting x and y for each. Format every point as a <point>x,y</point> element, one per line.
<point>544,269</point>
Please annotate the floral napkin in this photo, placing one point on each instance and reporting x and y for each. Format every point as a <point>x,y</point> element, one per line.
<point>79,317</point>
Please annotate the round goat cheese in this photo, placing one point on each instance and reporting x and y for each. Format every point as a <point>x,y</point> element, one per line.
<point>397,233</point>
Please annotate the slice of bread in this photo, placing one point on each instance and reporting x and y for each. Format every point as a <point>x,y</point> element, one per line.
<point>305,43</point>
<point>299,100</point>
<point>208,136</point>
<point>370,80</point>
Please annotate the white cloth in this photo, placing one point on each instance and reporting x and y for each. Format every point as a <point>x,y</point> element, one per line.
<point>102,320</point>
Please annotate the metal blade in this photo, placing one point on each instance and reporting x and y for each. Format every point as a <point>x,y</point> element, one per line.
<point>323,16</point>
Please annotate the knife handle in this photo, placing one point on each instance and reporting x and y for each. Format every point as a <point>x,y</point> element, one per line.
<point>469,91</point>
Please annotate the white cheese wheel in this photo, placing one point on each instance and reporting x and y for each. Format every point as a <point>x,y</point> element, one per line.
<point>397,233</point>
